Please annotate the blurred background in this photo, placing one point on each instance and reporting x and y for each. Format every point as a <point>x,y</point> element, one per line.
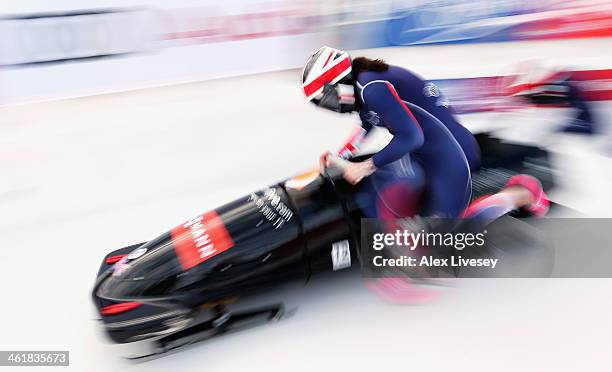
<point>119,119</point>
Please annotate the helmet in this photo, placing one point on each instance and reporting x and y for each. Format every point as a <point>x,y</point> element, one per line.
<point>327,80</point>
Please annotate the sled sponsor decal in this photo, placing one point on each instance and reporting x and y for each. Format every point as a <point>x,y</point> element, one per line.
<point>271,207</point>
<point>199,239</point>
<point>341,255</point>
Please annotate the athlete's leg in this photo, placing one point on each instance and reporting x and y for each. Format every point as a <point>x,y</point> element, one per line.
<point>521,191</point>
<point>400,189</point>
<point>393,191</point>
<point>449,188</point>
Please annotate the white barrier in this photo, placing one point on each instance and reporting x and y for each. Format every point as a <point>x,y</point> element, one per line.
<point>57,53</point>
<point>65,54</point>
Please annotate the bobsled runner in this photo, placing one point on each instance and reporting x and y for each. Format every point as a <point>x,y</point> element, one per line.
<point>190,283</point>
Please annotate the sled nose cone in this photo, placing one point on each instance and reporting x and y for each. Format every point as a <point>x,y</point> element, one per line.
<point>134,277</point>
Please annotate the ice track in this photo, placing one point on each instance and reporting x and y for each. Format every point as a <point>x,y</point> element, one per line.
<point>84,176</point>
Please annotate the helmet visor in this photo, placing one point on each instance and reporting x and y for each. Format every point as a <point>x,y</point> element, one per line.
<point>338,98</point>
<point>330,99</point>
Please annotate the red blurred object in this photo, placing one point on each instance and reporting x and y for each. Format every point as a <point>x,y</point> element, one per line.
<point>114,259</point>
<point>119,308</point>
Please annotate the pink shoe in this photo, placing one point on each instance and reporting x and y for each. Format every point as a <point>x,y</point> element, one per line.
<point>540,207</point>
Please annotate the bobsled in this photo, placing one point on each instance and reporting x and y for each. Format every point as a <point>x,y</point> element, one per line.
<point>188,284</point>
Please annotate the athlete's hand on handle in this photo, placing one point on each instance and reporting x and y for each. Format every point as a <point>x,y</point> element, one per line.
<point>352,172</point>
<point>355,172</point>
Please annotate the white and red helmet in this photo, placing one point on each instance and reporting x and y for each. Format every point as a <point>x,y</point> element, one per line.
<point>327,80</point>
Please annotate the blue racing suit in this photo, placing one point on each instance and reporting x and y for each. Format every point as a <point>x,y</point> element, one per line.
<point>429,158</point>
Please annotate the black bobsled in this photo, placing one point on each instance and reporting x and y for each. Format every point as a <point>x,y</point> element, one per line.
<point>184,286</point>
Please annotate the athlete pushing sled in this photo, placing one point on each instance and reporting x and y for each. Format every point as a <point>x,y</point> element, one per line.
<point>426,167</point>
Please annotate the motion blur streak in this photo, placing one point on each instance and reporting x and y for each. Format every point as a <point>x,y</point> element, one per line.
<point>119,119</point>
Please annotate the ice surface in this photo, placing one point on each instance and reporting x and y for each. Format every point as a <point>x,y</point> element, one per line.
<point>85,176</point>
